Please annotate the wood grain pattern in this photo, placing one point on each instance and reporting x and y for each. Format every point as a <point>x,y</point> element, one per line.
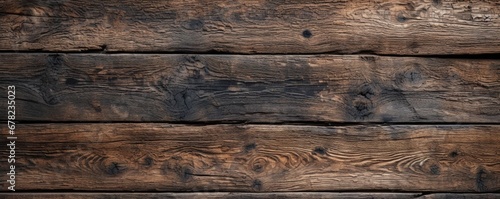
<point>409,27</point>
<point>256,158</point>
<point>222,195</point>
<point>256,88</point>
<point>410,113</point>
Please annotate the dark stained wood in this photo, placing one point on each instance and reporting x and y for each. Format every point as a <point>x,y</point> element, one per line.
<point>249,113</point>
<point>256,88</point>
<point>209,195</point>
<point>410,27</point>
<point>256,158</point>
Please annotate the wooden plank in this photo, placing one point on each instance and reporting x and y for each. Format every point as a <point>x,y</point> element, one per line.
<point>256,158</point>
<point>409,27</point>
<point>211,195</point>
<point>250,88</point>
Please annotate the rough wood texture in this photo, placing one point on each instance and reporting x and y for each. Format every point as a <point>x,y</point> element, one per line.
<point>257,88</point>
<point>411,27</point>
<point>206,195</point>
<point>163,157</point>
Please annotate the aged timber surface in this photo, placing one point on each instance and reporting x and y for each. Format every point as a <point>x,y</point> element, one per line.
<point>410,27</point>
<point>256,158</point>
<point>255,88</point>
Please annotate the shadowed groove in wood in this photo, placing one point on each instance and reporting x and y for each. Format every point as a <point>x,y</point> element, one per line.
<point>225,195</point>
<point>252,88</point>
<point>257,158</point>
<point>222,195</point>
<point>405,27</point>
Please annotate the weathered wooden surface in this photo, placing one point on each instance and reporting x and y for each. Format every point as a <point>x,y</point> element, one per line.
<point>256,158</point>
<point>257,88</point>
<point>210,195</point>
<point>411,27</point>
<point>218,84</point>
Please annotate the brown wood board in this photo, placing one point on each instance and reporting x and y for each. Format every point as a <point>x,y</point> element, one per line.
<point>256,158</point>
<point>256,88</point>
<point>391,27</point>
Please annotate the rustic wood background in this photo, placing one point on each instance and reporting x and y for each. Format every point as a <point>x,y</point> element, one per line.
<point>252,98</point>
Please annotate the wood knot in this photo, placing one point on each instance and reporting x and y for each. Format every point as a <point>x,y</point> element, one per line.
<point>453,154</point>
<point>194,24</point>
<point>414,47</point>
<point>148,162</point>
<point>435,170</point>
<point>366,91</point>
<point>307,34</point>
<point>259,165</point>
<point>362,108</point>
<point>409,77</point>
<point>114,169</point>
<point>359,104</point>
<point>250,147</point>
<point>401,17</point>
<point>257,185</point>
<point>185,173</point>
<point>71,81</point>
<point>319,151</point>
<point>179,168</point>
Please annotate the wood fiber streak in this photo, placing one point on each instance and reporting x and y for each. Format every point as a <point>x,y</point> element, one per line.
<point>251,88</point>
<point>405,27</point>
<point>256,158</point>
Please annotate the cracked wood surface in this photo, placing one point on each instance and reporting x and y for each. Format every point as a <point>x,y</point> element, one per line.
<point>397,27</point>
<point>256,88</point>
<point>256,158</point>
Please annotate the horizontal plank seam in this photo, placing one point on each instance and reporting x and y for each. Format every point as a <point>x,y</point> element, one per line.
<point>272,192</point>
<point>493,56</point>
<point>261,123</point>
